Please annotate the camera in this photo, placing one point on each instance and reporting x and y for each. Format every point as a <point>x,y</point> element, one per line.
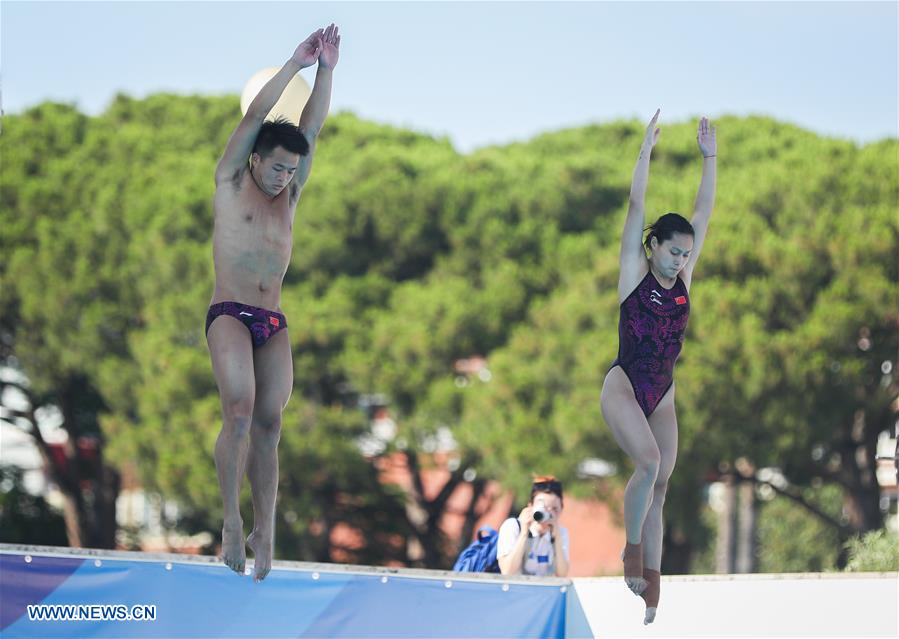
<point>541,514</point>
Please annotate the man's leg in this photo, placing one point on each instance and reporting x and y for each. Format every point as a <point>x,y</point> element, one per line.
<point>274,382</point>
<point>232,363</point>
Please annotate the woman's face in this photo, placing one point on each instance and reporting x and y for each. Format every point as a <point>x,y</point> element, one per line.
<point>551,503</point>
<point>671,256</point>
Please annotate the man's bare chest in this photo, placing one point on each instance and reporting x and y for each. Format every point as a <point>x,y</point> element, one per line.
<point>253,220</point>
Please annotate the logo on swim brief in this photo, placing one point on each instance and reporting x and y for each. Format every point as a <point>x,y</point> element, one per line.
<point>680,299</point>
<point>247,314</point>
<point>274,321</point>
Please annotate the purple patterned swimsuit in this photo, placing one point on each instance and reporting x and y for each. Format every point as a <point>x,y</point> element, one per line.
<point>650,333</point>
<point>261,323</point>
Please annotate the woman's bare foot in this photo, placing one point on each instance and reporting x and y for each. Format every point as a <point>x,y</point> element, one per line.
<point>632,555</point>
<point>233,552</point>
<point>261,545</point>
<point>651,594</point>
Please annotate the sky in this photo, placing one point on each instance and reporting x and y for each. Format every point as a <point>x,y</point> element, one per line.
<point>481,73</point>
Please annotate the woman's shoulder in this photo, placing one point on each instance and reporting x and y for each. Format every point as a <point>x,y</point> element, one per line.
<point>510,522</point>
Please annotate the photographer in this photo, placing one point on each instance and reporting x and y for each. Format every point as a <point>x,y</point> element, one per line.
<point>535,543</point>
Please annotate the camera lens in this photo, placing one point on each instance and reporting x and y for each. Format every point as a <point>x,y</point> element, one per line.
<point>541,514</point>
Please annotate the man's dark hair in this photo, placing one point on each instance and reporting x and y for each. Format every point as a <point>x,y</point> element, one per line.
<point>666,226</point>
<point>280,132</point>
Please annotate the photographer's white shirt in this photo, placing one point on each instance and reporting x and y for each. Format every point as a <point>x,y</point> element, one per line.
<point>539,556</point>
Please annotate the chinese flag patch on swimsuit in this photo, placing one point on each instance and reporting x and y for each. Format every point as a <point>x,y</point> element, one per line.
<point>680,299</point>
<point>274,321</point>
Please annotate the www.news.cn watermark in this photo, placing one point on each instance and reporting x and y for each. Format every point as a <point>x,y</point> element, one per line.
<point>91,612</point>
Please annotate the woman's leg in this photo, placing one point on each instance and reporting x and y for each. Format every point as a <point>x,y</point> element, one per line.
<point>663,423</point>
<point>631,430</point>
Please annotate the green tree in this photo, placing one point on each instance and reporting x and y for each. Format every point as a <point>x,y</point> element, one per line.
<point>410,256</point>
<point>876,551</point>
<point>26,518</point>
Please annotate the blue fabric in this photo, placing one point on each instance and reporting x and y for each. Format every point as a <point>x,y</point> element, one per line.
<point>408,607</point>
<point>24,582</point>
<point>480,555</point>
<point>208,600</point>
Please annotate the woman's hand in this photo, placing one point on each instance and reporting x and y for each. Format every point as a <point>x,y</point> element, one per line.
<point>705,137</point>
<point>652,132</point>
<point>526,517</point>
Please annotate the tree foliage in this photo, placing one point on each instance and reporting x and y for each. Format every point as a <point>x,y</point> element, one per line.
<point>410,256</point>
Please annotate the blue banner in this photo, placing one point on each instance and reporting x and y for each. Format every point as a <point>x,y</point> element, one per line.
<point>71,596</point>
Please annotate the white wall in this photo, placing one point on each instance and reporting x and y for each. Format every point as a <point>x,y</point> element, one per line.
<point>813,605</point>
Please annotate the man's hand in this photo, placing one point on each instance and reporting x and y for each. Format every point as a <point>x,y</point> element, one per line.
<point>309,50</point>
<point>705,137</point>
<point>330,48</point>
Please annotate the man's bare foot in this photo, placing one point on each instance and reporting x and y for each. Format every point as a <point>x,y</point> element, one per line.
<point>233,552</point>
<point>261,545</point>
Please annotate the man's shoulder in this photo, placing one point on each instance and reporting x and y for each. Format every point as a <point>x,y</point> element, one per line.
<point>231,182</point>
<point>295,191</point>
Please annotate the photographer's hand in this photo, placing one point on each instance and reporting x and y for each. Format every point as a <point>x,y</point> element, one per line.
<point>512,563</point>
<point>526,517</point>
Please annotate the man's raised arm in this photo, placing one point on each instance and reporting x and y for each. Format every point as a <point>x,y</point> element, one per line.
<point>316,109</point>
<point>241,142</point>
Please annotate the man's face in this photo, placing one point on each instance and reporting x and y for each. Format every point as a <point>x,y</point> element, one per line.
<point>274,171</point>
